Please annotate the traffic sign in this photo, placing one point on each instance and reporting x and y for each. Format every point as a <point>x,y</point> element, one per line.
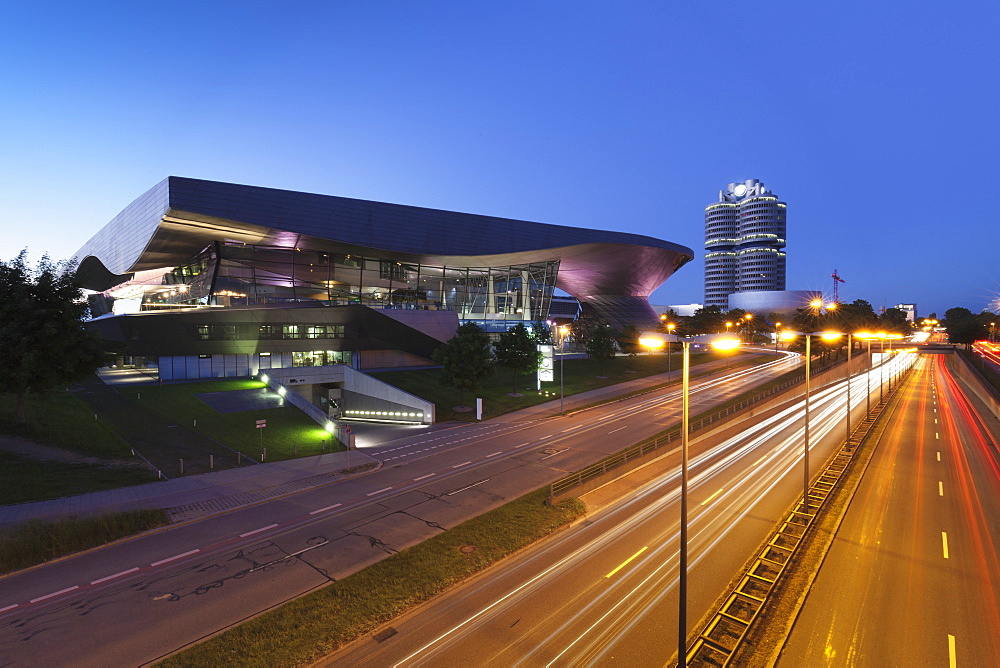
<point>261,424</point>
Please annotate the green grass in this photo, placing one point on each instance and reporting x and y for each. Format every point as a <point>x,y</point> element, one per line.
<point>23,479</point>
<point>318,623</point>
<point>62,420</point>
<point>579,375</point>
<point>36,542</point>
<point>987,370</point>
<point>287,427</point>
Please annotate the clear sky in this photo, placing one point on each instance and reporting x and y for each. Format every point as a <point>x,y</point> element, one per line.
<point>876,122</point>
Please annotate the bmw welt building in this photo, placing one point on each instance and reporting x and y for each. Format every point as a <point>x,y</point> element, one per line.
<point>206,279</point>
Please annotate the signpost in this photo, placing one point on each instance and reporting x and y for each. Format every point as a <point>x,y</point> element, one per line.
<point>260,425</point>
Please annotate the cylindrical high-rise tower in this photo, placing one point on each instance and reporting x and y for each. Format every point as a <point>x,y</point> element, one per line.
<point>744,235</point>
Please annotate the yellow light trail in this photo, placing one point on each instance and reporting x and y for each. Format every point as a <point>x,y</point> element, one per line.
<point>627,562</point>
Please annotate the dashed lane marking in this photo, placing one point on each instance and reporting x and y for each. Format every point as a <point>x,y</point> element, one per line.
<point>323,510</point>
<point>944,543</point>
<point>176,556</point>
<point>425,477</point>
<point>112,577</point>
<point>494,454</point>
<point>626,562</point>
<point>952,659</point>
<point>9,607</point>
<point>55,593</point>
<point>618,429</point>
<point>940,488</point>
<point>458,466</point>
<point>378,491</point>
<point>250,533</point>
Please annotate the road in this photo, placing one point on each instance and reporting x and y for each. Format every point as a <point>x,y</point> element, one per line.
<point>913,575</point>
<point>138,600</point>
<point>604,592</point>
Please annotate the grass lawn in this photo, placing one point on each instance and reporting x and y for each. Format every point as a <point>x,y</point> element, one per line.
<point>37,542</point>
<point>62,420</point>
<point>579,375</point>
<point>309,627</point>
<point>287,428</point>
<point>24,479</point>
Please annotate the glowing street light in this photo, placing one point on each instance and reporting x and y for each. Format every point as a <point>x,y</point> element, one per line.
<point>825,336</point>
<point>563,331</point>
<point>719,342</point>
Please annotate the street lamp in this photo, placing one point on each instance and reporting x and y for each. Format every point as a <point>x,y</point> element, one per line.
<point>728,325</point>
<point>777,330</point>
<point>670,330</point>
<point>748,317</point>
<point>826,336</point>
<point>720,342</point>
<point>563,331</point>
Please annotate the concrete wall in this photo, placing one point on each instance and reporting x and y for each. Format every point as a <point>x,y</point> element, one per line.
<point>970,376</point>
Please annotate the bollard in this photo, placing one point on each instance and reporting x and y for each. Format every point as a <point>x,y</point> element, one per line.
<point>239,457</point>
<point>159,474</point>
<point>211,461</point>
<point>195,423</point>
<point>138,395</point>
<point>95,416</point>
<point>182,467</point>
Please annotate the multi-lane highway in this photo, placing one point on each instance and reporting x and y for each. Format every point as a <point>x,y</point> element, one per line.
<point>137,600</point>
<point>913,577</point>
<point>604,592</point>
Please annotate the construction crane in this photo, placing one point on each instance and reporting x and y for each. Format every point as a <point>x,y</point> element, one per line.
<point>837,280</point>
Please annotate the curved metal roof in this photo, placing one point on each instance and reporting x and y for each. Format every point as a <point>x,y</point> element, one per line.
<point>178,217</point>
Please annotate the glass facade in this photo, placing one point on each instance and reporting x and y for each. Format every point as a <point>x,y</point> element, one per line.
<point>248,275</point>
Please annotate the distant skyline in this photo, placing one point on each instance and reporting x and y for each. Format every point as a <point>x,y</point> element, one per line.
<point>873,122</point>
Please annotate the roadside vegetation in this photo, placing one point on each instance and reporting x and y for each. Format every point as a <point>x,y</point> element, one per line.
<point>23,479</point>
<point>289,432</point>
<point>318,623</point>
<point>37,542</point>
<point>62,420</point>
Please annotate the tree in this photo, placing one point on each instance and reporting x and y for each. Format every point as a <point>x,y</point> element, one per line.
<point>706,320</point>
<point>628,340</point>
<point>964,326</point>
<point>517,350</point>
<point>541,332</point>
<point>43,342</point>
<point>894,320</point>
<point>601,345</point>
<point>466,358</point>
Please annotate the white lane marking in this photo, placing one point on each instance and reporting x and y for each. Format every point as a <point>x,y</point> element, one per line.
<point>564,431</point>
<point>494,454</point>
<point>458,466</point>
<point>937,435</point>
<point>952,659</point>
<point>112,577</point>
<point>940,488</point>
<point>55,593</point>
<point>250,533</point>
<point>425,477</point>
<point>521,445</point>
<point>378,491</point>
<point>935,420</point>
<point>944,543</point>
<point>323,510</point>
<point>176,556</point>
<point>618,429</point>
<point>9,607</point>
<point>939,456</point>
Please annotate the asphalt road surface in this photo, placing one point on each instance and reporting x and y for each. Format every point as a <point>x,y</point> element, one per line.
<point>913,577</point>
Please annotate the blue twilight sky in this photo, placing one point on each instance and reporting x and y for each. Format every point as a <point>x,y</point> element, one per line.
<point>876,122</point>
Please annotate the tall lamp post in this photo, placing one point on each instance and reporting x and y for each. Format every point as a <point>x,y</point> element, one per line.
<point>867,338</point>
<point>826,336</point>
<point>670,331</point>
<point>720,342</point>
<point>563,330</point>
<point>777,334</point>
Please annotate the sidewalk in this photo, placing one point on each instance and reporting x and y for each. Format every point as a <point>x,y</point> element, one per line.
<point>203,494</point>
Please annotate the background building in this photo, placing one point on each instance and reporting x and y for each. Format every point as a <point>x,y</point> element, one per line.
<point>207,279</point>
<point>744,238</point>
